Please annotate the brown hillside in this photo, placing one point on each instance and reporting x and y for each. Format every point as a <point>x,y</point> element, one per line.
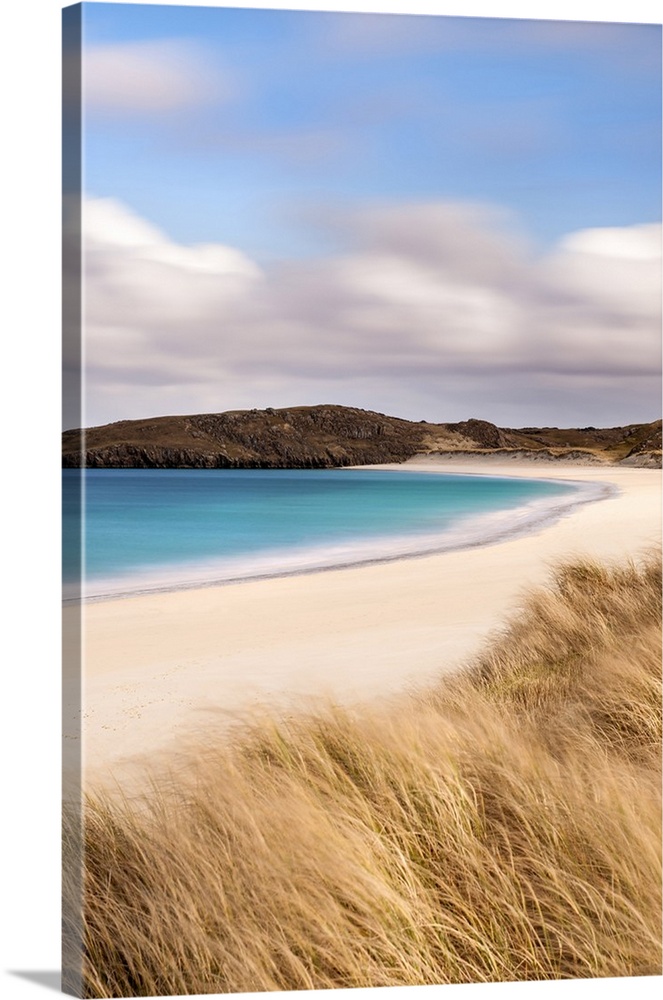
<point>330,436</point>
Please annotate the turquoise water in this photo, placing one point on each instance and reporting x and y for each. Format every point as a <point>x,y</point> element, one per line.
<point>161,529</point>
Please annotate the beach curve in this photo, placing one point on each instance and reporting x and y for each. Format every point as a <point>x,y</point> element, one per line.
<point>160,668</point>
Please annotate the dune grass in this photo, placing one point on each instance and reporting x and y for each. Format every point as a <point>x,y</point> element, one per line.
<point>502,825</point>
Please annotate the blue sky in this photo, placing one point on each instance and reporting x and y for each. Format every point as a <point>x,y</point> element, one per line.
<point>559,122</point>
<point>324,155</point>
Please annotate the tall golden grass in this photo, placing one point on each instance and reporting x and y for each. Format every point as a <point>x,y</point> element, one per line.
<point>503,825</point>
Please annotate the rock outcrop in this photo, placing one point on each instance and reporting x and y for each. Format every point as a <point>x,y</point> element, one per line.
<point>318,437</point>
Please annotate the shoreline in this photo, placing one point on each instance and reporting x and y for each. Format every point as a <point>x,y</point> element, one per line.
<point>162,668</point>
<point>479,530</point>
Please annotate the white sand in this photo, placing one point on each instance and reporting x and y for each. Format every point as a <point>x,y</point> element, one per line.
<point>158,669</point>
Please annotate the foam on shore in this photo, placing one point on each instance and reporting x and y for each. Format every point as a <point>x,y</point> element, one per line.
<point>160,668</point>
<point>470,532</point>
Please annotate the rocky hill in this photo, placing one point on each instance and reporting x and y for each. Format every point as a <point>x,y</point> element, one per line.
<point>329,436</point>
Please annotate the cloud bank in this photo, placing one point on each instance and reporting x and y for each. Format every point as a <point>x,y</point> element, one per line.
<point>147,77</point>
<point>433,311</point>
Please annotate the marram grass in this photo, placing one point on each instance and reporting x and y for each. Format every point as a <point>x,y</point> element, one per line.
<point>503,825</point>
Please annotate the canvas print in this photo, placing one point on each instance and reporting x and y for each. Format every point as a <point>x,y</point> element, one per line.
<point>361,479</point>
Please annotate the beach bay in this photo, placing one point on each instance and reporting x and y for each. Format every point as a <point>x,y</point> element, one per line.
<point>161,668</point>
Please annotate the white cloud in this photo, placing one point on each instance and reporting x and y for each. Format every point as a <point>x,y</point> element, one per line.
<point>431,306</point>
<point>109,223</point>
<point>150,76</point>
<point>616,269</point>
<point>632,243</point>
<point>113,228</point>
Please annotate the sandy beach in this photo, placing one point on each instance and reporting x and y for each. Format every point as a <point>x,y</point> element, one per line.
<point>159,669</point>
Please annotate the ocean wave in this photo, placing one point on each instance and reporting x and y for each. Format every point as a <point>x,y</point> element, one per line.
<point>466,533</point>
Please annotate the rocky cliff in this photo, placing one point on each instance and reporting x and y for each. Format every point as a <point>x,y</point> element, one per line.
<point>329,436</point>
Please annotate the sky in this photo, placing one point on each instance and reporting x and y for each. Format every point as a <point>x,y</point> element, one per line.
<point>433,217</point>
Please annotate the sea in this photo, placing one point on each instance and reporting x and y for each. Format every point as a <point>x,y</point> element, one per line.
<point>131,531</point>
